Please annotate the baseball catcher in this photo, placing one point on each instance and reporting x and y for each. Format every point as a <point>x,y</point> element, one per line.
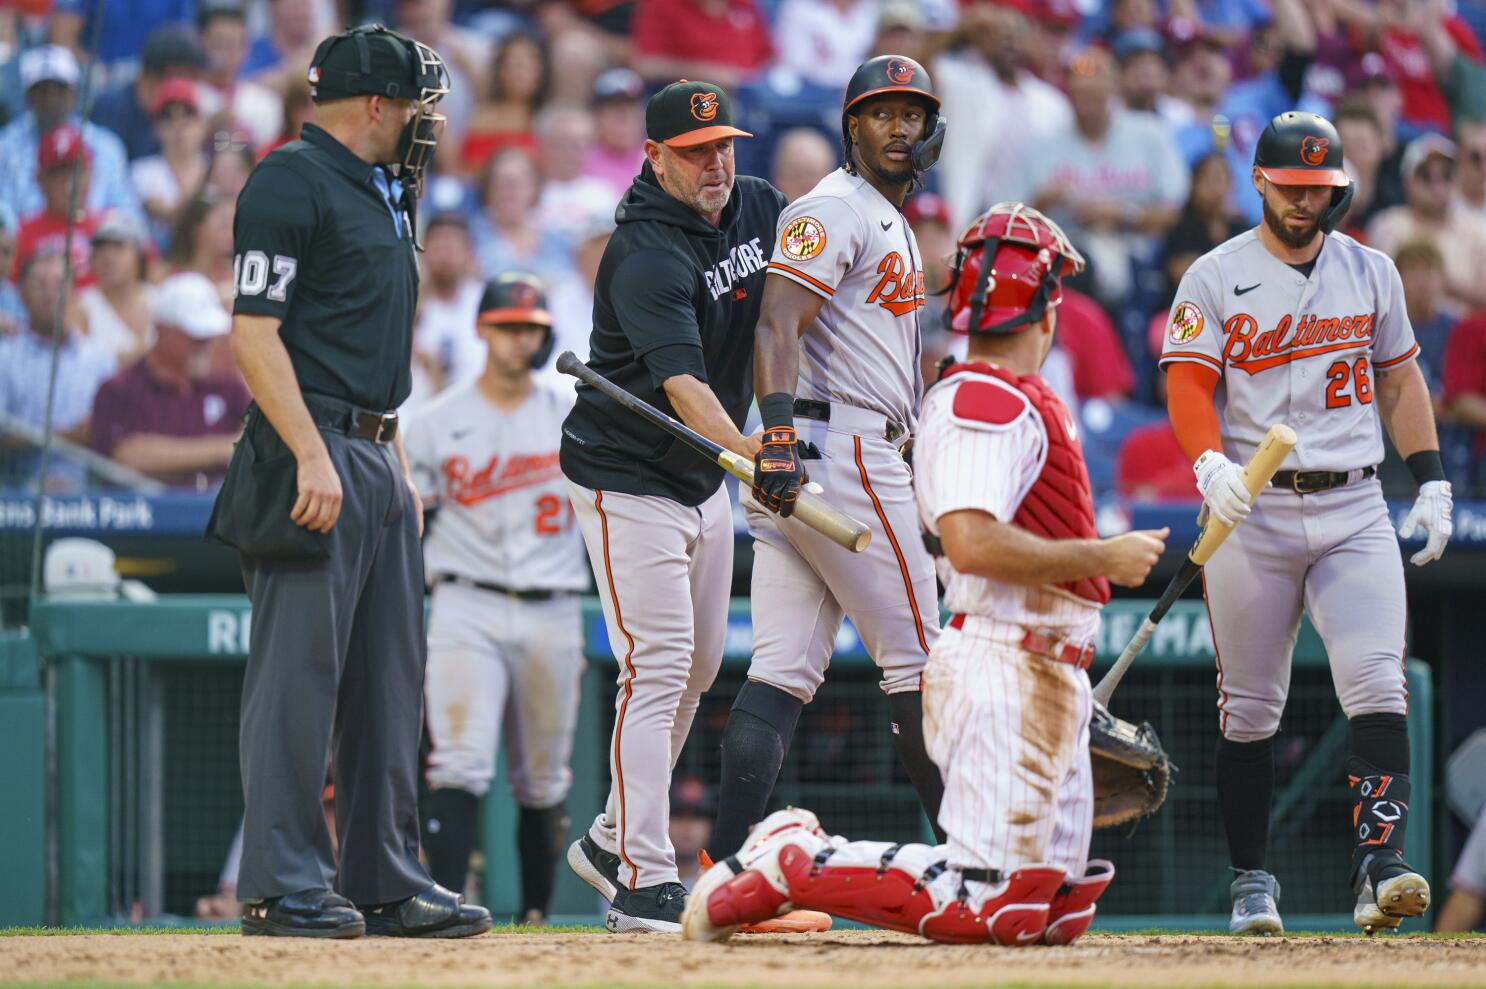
<point>1003,496</point>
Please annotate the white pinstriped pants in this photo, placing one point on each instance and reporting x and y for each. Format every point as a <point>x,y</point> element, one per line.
<point>1009,731</point>
<point>664,573</point>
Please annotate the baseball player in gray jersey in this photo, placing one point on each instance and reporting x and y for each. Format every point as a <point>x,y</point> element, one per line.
<point>838,352</point>
<point>505,561</point>
<point>1292,322</point>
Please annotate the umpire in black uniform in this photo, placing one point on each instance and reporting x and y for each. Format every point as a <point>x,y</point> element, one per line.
<point>319,503</point>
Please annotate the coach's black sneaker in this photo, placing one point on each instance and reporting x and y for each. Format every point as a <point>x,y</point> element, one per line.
<point>308,913</point>
<point>652,910</point>
<point>1388,890</point>
<point>435,912</point>
<point>596,867</point>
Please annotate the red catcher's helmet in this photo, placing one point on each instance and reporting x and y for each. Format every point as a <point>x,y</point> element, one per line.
<point>1008,270</point>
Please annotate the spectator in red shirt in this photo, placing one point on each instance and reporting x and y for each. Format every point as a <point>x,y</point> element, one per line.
<point>58,150</point>
<point>722,41</point>
<point>168,415</point>
<point>1089,338</point>
<point>1465,374</point>
<point>520,82</point>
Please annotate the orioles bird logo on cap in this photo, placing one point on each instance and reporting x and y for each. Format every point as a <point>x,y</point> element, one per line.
<point>704,106</point>
<point>524,294</point>
<point>899,72</point>
<point>1313,149</point>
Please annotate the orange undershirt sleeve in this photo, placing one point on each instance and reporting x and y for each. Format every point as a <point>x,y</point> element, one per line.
<point>1189,402</point>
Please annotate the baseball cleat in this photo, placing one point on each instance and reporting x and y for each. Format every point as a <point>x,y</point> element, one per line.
<point>1256,897</point>
<point>596,867</point>
<point>791,922</point>
<point>649,910</point>
<point>1391,890</point>
<point>748,888</point>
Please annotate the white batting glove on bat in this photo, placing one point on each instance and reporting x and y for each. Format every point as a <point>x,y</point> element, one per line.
<point>1431,512</point>
<point>1223,492</point>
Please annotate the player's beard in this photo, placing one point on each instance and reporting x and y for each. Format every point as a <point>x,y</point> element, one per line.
<point>1290,237</point>
<point>891,172</point>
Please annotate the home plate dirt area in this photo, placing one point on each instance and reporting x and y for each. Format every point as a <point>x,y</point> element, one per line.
<point>520,957</point>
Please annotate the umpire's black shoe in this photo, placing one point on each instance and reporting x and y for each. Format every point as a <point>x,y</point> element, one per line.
<point>435,912</point>
<point>596,867</point>
<point>308,913</point>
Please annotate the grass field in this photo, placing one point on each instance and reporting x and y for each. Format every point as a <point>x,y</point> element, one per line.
<point>569,958</point>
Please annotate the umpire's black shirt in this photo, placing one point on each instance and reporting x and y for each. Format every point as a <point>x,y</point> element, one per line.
<point>319,246</point>
<point>674,295</point>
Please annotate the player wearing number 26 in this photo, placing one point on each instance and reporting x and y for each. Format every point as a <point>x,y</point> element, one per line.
<point>506,562</point>
<point>1292,322</point>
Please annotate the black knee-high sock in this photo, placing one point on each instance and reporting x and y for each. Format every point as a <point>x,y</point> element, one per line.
<point>451,821</point>
<point>754,743</point>
<point>541,834</point>
<point>1378,776</point>
<point>908,736</point>
<point>1245,792</point>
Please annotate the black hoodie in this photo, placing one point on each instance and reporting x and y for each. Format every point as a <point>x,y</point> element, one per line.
<point>674,295</point>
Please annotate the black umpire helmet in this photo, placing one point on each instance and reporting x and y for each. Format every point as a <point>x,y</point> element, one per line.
<point>374,61</point>
<point>1299,148</point>
<point>518,298</point>
<point>897,74</point>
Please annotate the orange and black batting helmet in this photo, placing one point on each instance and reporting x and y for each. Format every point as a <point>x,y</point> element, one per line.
<point>518,298</point>
<point>897,74</point>
<point>1299,148</point>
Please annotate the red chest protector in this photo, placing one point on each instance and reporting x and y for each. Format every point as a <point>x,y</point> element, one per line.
<point>1060,504</point>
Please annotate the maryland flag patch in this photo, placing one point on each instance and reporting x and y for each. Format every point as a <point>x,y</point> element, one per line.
<point>803,239</point>
<point>1186,323</point>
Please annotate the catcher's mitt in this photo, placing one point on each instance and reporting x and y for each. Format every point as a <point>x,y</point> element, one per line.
<point>1131,771</point>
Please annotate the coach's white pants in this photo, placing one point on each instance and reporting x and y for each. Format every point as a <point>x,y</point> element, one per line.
<point>803,583</point>
<point>1010,733</point>
<point>496,663</point>
<point>664,573</point>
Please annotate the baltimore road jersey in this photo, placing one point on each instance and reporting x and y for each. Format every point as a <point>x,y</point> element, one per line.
<point>318,246</point>
<point>503,511</point>
<point>1294,349</point>
<point>674,295</point>
<point>845,242</point>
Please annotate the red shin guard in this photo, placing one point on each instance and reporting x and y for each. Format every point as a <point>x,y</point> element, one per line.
<point>883,898</point>
<point>1018,916</point>
<point>1072,909</point>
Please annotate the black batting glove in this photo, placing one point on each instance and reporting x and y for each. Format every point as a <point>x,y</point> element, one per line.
<point>778,471</point>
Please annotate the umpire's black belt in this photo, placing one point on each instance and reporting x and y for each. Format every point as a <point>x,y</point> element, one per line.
<point>343,417</point>
<point>1312,481</point>
<point>511,592</point>
<point>807,408</point>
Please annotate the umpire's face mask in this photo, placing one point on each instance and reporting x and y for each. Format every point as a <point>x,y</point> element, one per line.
<point>420,136</point>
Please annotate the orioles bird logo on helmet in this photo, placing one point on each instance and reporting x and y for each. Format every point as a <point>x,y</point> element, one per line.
<point>524,294</point>
<point>899,73</point>
<point>1313,149</point>
<point>704,106</point>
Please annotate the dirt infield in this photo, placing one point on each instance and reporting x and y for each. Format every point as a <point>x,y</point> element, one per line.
<point>846,958</point>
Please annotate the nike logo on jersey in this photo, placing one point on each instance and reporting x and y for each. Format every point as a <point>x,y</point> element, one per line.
<point>742,261</point>
<point>899,290</point>
<point>468,487</point>
<point>887,224</point>
<point>1251,351</point>
<point>1241,291</point>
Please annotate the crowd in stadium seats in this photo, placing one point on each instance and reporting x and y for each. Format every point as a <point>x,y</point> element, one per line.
<point>1132,122</point>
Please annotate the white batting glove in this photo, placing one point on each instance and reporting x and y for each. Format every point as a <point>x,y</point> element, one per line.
<point>1223,492</point>
<point>1431,512</point>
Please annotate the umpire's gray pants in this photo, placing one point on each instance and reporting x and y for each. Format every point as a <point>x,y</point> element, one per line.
<point>335,672</point>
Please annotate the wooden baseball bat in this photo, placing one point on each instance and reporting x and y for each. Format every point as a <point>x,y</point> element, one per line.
<point>1273,450</point>
<point>810,508</point>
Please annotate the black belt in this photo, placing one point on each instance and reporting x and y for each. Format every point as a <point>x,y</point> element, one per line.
<point>809,408</point>
<point>1312,481</point>
<point>343,417</point>
<point>510,592</point>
